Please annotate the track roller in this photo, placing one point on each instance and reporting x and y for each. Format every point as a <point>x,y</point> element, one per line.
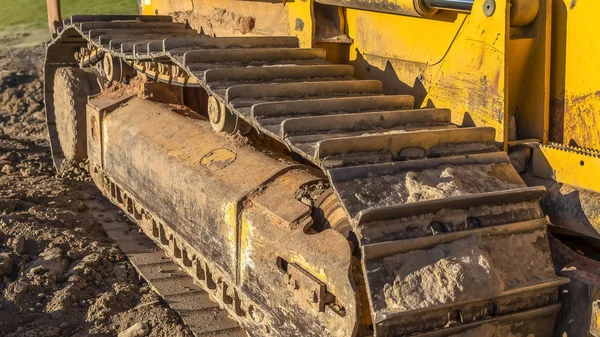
<point>116,69</point>
<point>221,118</point>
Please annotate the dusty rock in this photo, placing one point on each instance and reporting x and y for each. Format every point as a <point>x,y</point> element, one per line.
<point>428,184</point>
<point>51,262</point>
<point>8,169</point>
<point>6,264</point>
<point>136,330</point>
<point>217,21</point>
<point>29,172</point>
<point>111,302</point>
<point>246,24</point>
<point>18,245</point>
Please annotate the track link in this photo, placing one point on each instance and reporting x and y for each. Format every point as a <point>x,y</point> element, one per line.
<point>203,316</point>
<point>379,154</point>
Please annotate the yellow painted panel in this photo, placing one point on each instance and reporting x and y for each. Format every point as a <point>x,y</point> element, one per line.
<point>486,73</point>
<point>572,166</point>
<point>164,7</point>
<point>517,57</point>
<point>471,79</point>
<point>532,106</point>
<point>451,60</point>
<point>402,37</point>
<point>302,22</point>
<point>576,73</point>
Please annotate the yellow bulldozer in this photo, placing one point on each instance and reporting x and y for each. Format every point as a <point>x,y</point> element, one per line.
<point>345,168</point>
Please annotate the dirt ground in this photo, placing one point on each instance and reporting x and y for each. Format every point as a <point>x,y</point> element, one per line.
<point>60,275</point>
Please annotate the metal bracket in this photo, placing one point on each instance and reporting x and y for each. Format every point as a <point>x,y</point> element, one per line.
<point>310,288</point>
<point>573,166</point>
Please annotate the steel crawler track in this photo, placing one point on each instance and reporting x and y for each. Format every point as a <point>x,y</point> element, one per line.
<point>203,316</point>
<point>379,154</point>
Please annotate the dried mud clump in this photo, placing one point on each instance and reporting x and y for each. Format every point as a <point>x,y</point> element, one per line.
<point>446,274</point>
<point>464,270</point>
<point>429,184</point>
<point>216,21</point>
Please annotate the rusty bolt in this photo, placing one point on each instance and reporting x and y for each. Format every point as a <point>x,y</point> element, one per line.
<point>257,316</point>
<point>315,297</point>
<point>292,283</point>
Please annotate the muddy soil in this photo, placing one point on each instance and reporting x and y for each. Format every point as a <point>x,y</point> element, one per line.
<point>60,275</point>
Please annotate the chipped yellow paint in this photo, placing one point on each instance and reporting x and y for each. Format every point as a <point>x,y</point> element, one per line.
<point>247,245</point>
<point>229,212</point>
<point>302,21</point>
<point>319,273</point>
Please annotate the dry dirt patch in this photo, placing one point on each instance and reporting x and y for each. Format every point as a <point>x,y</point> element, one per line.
<point>60,275</point>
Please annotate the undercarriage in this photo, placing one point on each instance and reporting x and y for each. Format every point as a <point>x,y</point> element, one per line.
<point>305,201</point>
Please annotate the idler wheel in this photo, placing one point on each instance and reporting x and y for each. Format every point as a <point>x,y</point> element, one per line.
<point>221,119</point>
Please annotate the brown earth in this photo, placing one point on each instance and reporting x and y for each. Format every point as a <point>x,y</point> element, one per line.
<point>60,275</point>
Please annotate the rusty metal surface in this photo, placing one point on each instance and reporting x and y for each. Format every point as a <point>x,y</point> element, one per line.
<point>243,236</point>
<point>573,209</point>
<point>228,233</point>
<point>580,314</point>
<point>540,320</point>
